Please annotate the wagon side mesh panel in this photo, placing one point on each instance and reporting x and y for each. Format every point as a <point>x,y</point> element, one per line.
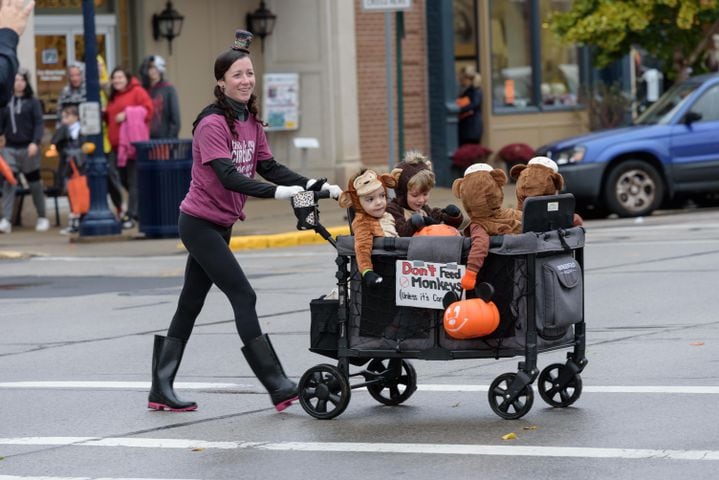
<point>376,322</point>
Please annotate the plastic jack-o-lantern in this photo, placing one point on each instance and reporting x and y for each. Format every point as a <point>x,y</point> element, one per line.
<point>471,318</point>
<point>438,230</point>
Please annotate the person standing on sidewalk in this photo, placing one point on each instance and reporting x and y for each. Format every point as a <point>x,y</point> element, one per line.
<point>125,93</point>
<point>75,91</point>
<point>13,20</point>
<point>21,124</point>
<point>165,122</point>
<point>229,146</point>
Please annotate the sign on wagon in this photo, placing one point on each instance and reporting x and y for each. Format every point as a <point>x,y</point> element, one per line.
<point>424,284</point>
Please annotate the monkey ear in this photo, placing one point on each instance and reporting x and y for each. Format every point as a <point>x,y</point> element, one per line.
<point>345,200</point>
<point>396,173</point>
<point>457,187</point>
<point>499,176</point>
<point>558,180</point>
<point>388,180</point>
<point>516,170</point>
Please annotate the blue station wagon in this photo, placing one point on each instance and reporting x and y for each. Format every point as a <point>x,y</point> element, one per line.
<point>671,151</point>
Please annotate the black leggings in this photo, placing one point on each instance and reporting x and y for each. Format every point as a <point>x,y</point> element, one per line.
<point>211,261</point>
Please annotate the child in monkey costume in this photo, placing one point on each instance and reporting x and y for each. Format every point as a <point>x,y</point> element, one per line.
<point>540,176</point>
<point>480,191</point>
<point>367,194</point>
<point>410,208</point>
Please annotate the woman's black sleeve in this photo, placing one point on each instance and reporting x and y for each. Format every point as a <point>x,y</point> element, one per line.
<point>277,173</point>
<point>233,180</point>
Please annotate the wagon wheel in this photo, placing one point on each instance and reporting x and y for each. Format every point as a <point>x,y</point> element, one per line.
<point>393,391</point>
<point>324,392</point>
<point>555,394</point>
<point>509,410</point>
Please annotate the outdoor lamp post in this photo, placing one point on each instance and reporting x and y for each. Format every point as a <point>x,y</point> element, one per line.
<point>99,220</point>
<point>167,24</point>
<point>261,22</point>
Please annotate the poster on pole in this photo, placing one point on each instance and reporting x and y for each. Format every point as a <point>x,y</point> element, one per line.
<point>424,284</point>
<point>281,101</point>
<point>386,5</point>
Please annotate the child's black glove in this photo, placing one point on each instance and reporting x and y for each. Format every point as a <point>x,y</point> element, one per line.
<point>452,215</point>
<point>452,210</point>
<point>371,279</point>
<point>420,221</point>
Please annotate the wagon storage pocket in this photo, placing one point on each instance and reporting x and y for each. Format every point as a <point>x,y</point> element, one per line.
<point>559,295</point>
<point>324,327</point>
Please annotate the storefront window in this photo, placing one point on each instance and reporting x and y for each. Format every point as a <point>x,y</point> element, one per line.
<point>531,68</point>
<point>511,54</point>
<point>559,65</point>
<point>465,35</point>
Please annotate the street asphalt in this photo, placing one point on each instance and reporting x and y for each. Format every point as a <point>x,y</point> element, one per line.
<point>269,224</point>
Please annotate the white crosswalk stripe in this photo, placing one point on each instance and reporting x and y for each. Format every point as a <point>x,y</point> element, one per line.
<point>362,447</point>
<point>250,388</point>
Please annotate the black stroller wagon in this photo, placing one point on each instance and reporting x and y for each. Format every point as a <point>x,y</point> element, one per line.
<point>537,278</point>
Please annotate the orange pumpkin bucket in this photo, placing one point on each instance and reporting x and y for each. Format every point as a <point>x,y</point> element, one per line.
<point>438,230</point>
<point>471,318</point>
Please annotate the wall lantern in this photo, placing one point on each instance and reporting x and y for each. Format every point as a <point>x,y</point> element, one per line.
<point>261,22</point>
<point>167,24</point>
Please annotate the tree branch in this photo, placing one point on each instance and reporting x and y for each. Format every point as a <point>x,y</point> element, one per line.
<point>701,46</point>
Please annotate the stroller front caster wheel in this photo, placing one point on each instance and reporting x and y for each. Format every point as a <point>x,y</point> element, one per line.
<point>324,392</point>
<point>553,391</point>
<point>395,389</point>
<point>501,402</point>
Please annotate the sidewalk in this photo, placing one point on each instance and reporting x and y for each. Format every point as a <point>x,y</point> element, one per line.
<point>269,224</point>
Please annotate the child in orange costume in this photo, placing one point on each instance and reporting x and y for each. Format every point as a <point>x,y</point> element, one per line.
<point>367,194</point>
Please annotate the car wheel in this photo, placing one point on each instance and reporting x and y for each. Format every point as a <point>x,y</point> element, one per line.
<point>633,189</point>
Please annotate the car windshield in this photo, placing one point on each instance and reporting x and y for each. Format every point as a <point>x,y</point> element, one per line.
<point>663,110</point>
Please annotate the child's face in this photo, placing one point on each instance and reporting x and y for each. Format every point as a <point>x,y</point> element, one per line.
<point>374,203</point>
<point>68,118</point>
<point>416,199</point>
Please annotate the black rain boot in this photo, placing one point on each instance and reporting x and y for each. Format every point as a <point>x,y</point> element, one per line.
<point>268,369</point>
<point>166,358</point>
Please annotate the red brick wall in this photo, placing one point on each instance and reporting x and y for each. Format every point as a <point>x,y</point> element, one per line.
<point>371,72</point>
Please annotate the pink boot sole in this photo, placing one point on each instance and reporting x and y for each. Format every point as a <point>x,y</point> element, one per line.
<point>282,405</point>
<point>162,406</point>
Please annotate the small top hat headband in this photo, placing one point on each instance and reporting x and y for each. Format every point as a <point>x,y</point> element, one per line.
<point>243,40</point>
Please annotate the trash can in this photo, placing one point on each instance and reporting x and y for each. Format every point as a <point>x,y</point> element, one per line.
<point>163,178</point>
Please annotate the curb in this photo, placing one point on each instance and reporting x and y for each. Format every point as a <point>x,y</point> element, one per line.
<point>15,255</point>
<point>282,240</point>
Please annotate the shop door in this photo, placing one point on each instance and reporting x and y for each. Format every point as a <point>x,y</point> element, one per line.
<point>59,41</point>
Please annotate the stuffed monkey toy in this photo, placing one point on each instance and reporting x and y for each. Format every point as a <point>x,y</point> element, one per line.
<point>367,194</point>
<point>540,176</point>
<point>480,191</point>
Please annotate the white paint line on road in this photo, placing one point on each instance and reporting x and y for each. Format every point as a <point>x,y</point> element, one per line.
<point>361,447</point>
<point>585,389</point>
<point>15,477</point>
<point>125,385</point>
<point>687,389</point>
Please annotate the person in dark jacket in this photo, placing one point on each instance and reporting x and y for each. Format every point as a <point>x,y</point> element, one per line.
<point>75,92</point>
<point>165,121</point>
<point>470,107</point>
<point>21,123</point>
<point>13,20</point>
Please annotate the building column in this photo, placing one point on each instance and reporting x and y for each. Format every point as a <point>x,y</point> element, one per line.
<point>443,86</point>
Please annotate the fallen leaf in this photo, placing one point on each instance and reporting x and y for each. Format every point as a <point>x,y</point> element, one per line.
<point>531,427</point>
<point>455,405</point>
<point>696,344</point>
<point>198,449</point>
<point>509,436</point>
